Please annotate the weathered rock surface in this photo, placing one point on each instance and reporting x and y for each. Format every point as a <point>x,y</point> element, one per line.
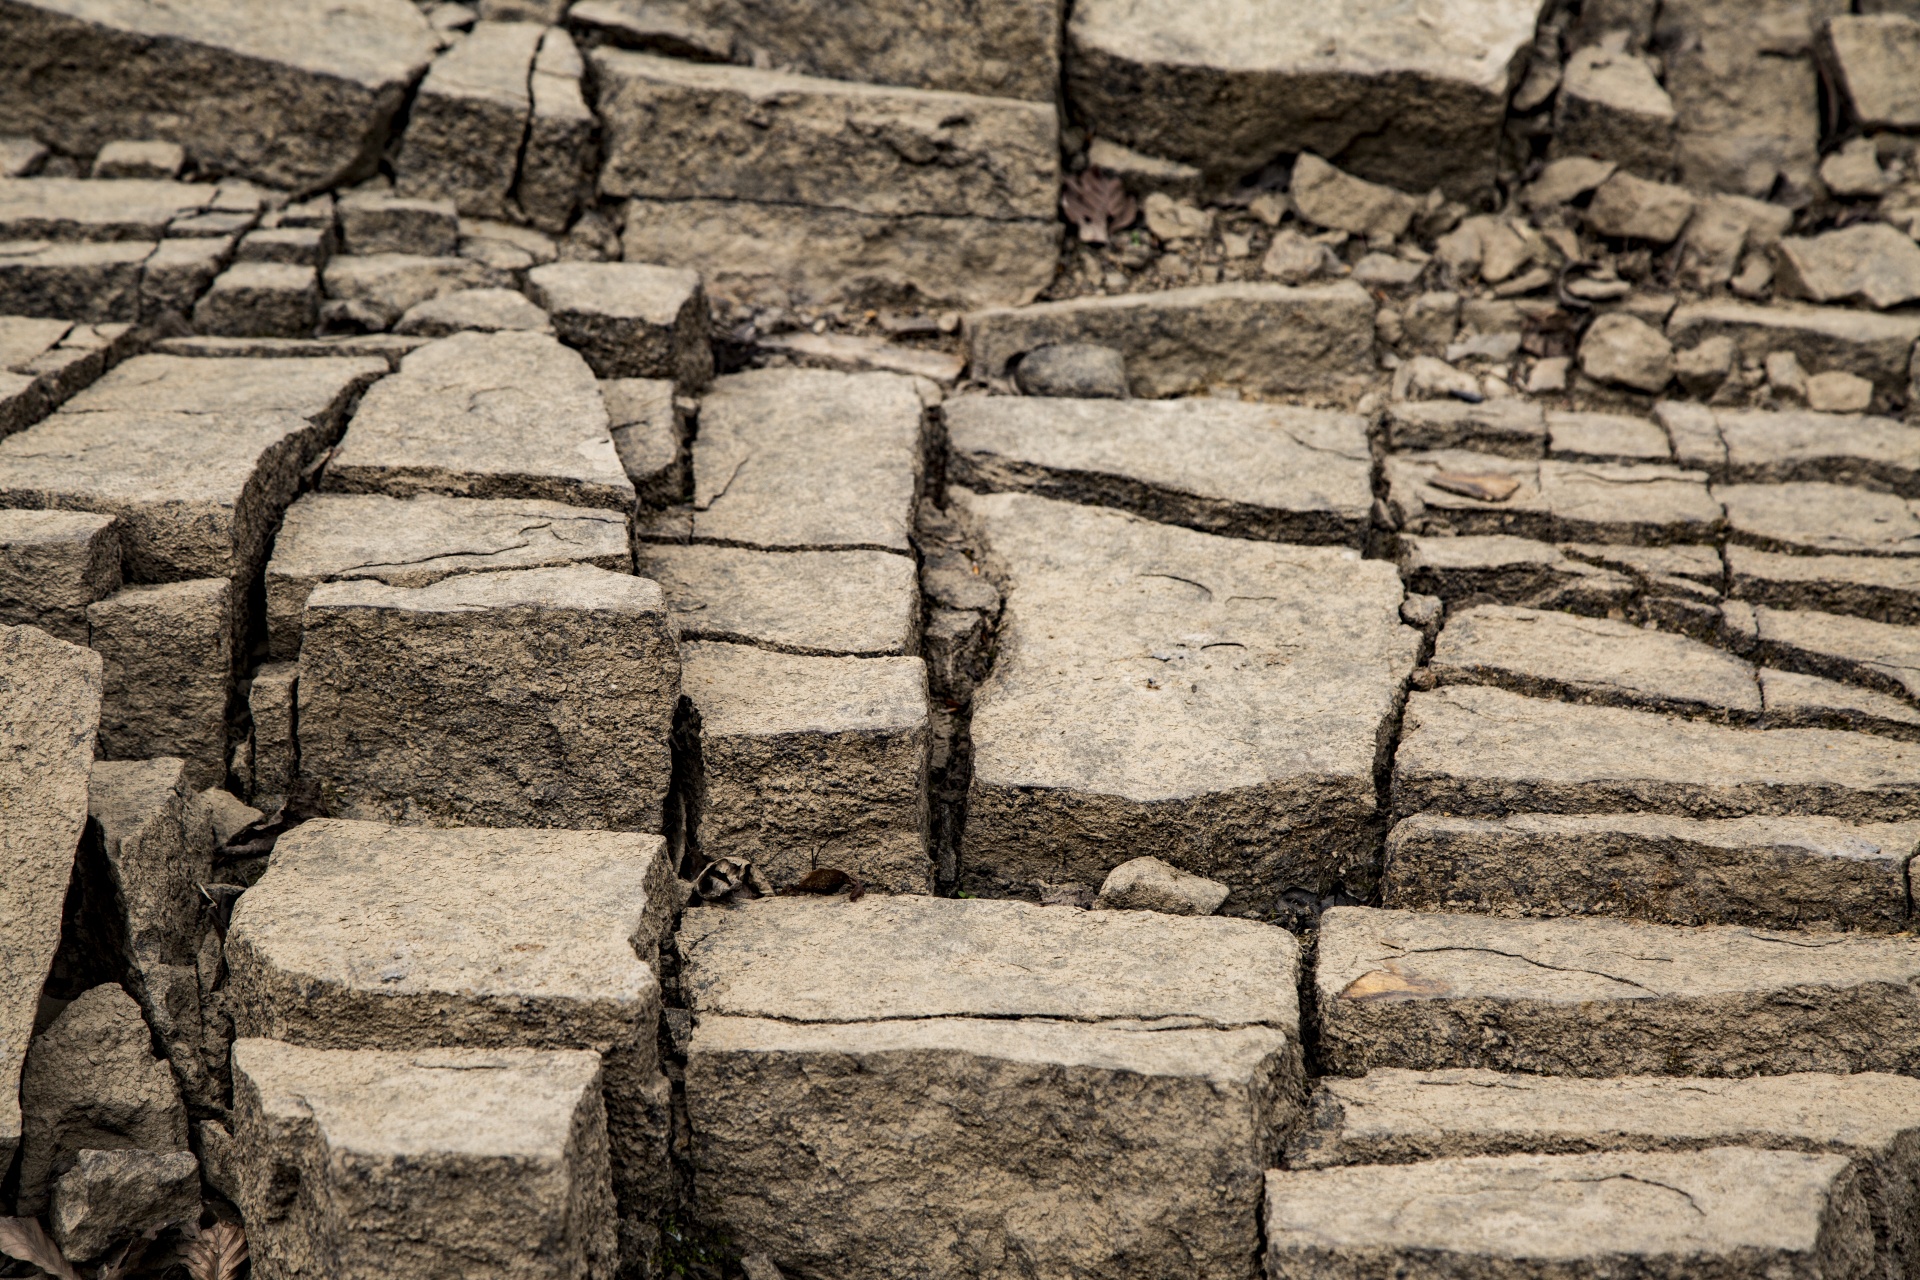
<point>1454,491</point>
<point>1271,472</point>
<point>1629,352</point>
<point>854,604</point>
<point>978,1028</point>
<point>483,310</point>
<point>1511,428</point>
<point>1148,884</point>
<point>99,283</point>
<point>1876,347</point>
<point>1798,701</point>
<point>1633,208</point>
<point>53,564</point>
<point>1814,517</point>
<point>1509,570</point>
<point>90,209</point>
<point>1871,55</point>
<point>650,433</point>
<point>630,320</point>
<point>1879,655</point>
<point>533,697</point>
<point>469,119</point>
<point>43,362</point>
<point>1081,370</point>
<point>168,655</point>
<point>372,220</point>
<point>109,1197</point>
<point>557,162</point>
<point>1747,447</point>
<point>261,299</point>
<point>1606,437</point>
<point>1868,262</point>
<point>1612,107</point>
<point>1339,201</point>
<point>1883,587</point>
<point>271,694</point>
<point>385,286</point>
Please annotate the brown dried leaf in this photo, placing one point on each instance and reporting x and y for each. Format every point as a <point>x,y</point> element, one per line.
<point>1483,486</point>
<point>826,881</point>
<point>27,1240</point>
<point>217,1253</point>
<point>1097,203</point>
<point>1389,983</point>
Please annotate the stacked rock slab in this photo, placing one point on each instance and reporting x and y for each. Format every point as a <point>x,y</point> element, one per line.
<point>469,120</point>
<point>43,362</point>
<point>53,564</point>
<point>1454,491</point>
<point>990,1065</point>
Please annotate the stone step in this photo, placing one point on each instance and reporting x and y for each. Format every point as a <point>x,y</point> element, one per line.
<point>651,432</point>
<point>1219,704</point>
<point>96,209</point>
<point>630,320</point>
<point>44,362</point>
<point>1886,588</point>
<point>53,564</point>
<point>1740,447</point>
<point>832,604</point>
<point>433,1161</point>
<point>1879,655</point>
<point>1275,473</point>
<point>1771,873</point>
<point>1876,347</point>
<point>1820,518</point>
<point>1597,997</point>
<point>383,287</point>
<point>1471,568</point>
<point>1094,1092</point>
<point>1550,500</point>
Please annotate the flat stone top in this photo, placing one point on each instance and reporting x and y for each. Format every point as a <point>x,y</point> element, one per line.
<point>1206,663</point>
<point>623,290</point>
<point>720,77</point>
<point>373,42</point>
<point>910,956</point>
<point>1476,551</point>
<point>21,527</point>
<point>415,541</point>
<point>432,1103</point>
<point>492,63</point>
<point>1374,955</point>
<point>142,458</point>
<point>740,689</point>
<point>314,388</point>
<point>93,208</point>
<point>1272,456</point>
<point>1602,492</point>
<point>1754,438</point>
<point>1820,517</point>
<point>1782,834</point>
<point>533,914</point>
<point>1893,651</point>
<point>582,588</point>
<point>1772,566</point>
<point>24,338</point>
<point>833,603</point>
<point>1397,1115</point>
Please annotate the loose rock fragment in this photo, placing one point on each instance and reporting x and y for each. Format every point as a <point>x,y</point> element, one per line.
<point>1148,884</point>
<point>1868,262</point>
<point>1876,347</point>
<point>1326,196</point>
<point>630,320</point>
<point>109,1197</point>
<point>650,431</point>
<point>1080,370</point>
<point>1612,107</point>
<point>1620,349</point>
<point>1871,56</point>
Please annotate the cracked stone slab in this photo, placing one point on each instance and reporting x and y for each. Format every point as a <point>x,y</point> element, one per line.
<point>809,762</point>
<point>849,604</point>
<point>806,459</point>
<point>1751,447</point>
<point>1661,1214</point>
<point>417,541</point>
<point>53,564</point>
<point>392,284</point>
<point>486,310</point>
<point>317,88</point>
<point>469,938</point>
<point>423,1162</point>
<point>1266,338</point>
<point>271,692</point>
<point>1870,55</point>
<point>1815,518</point>
<point>1882,587</point>
<point>45,362</point>
<point>1473,750</point>
<point>1795,700</point>
<point>1600,997</point>
<point>650,431</point>
<point>93,209</point>
<point>935,1048</point>
<point>1878,348</point>
<point>469,119</point>
<point>169,655</point>
<point>1771,873</point>
<point>95,282</point>
<point>525,697</point>
<point>272,299</point>
<point>49,716</point>
<point>1511,428</point>
<point>1509,570</point>
<point>1553,500</point>
<point>1218,704</point>
<point>1879,655</point>
<point>1271,472</point>
<point>559,158</point>
<point>1606,437</point>
<point>630,320</point>
<point>485,415</point>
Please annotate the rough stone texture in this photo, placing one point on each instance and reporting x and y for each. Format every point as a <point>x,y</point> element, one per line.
<point>1868,262</point>
<point>1628,352</point>
<point>1082,370</point>
<point>415,542</point>
<point>1263,338</point>
<point>1774,872</point>
<point>535,697</point>
<point>1414,100</point>
<point>1768,448</point>
<point>1882,587</point>
<point>468,938</point>
<point>851,1060</point>
<point>49,713</point>
<point>91,282</point>
<point>811,762</point>
<point>1611,106</point>
<point>53,564</point>
<point>485,415</point>
<point>1512,428</point>
<point>1487,751</point>
<point>43,362</point>
<point>1635,209</point>
<point>1660,1214</point>
<point>650,433</point>
<point>1813,518</point>
<point>484,310</point>
<point>168,651</point>
<point>469,119</point>
<point>854,604</point>
<point>1509,570</point>
<point>387,347</point>
<point>1217,704</point>
<point>557,161</point>
<point>1554,501</point>
<point>1148,884</point>
<point>88,209</point>
<point>1871,56</point>
<point>270,702</point>
<point>1797,701</point>
<point>261,299</point>
<point>1877,348</point>
<point>1879,655</point>
<point>630,320</point>
<point>180,271</point>
<point>1596,997</point>
<point>109,1197</point>
<point>92,1084</point>
<point>373,220</point>
<point>388,285</point>
<point>1606,437</point>
<point>300,99</point>
<point>409,1165</point>
<point>1324,195</point>
<point>306,246</point>
<point>1271,472</point>
<point>804,459</point>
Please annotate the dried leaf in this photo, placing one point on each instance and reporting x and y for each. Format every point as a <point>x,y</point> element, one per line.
<point>1097,203</point>
<point>1483,486</point>
<point>729,880</point>
<point>826,881</point>
<point>1389,983</point>
<point>217,1253</point>
<point>27,1240</point>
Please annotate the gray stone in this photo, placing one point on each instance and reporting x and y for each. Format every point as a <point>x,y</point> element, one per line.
<point>1870,57</point>
<point>93,282</point>
<point>469,119</point>
<point>1325,196</point>
<point>112,1196</point>
<point>1148,884</point>
<point>1271,472</point>
<point>533,697</point>
<point>650,431</point>
<point>1724,228</point>
<point>1508,570</point>
<point>1816,517</point>
<point>1878,348</point>
<point>168,651</point>
<point>1599,997</point>
<point>557,162</point>
<point>392,284</point>
<point>1837,392</point>
<point>83,209</point>
<point>1606,437</point>
<point>1564,180</point>
<point>1628,352</point>
<point>53,564</point>
<point>271,694</point>
<point>417,541</point>
<point>1868,262</point>
<point>43,362</point>
<point>940,1053</point>
<point>638,24</point>
<point>1749,447</point>
<point>49,713</point>
<point>857,353</point>
<point>468,938</point>
<point>268,299</point>
<point>1879,587</point>
<point>303,246</point>
<point>1141,172</point>
<point>849,604</point>
<point>479,310</point>
<point>507,246</point>
<point>1260,338</point>
<point>1636,209</point>
<point>1797,701</point>
<point>1412,100</point>
<point>630,320</point>
<point>809,762</point>
<point>409,1165</point>
<point>315,89</point>
<point>1512,428</point>
<point>1081,370</point>
<point>1612,107</point>
<point>1469,750</point>
<point>91,1083</point>
<point>130,159</point>
<point>1879,655</point>
<point>1217,704</point>
<point>485,415</point>
<point>180,271</point>
<point>1770,873</point>
<point>373,220</point>
<point>1553,501</point>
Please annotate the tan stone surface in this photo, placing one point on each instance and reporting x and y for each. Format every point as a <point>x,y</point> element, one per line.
<point>90,209</point>
<point>1555,501</point>
<point>1511,428</point>
<point>1519,571</point>
<point>1804,517</point>
<point>168,654</point>
<point>469,119</point>
<point>1883,587</point>
<point>859,604</point>
<point>1879,655</point>
<point>1878,348</point>
<point>629,320</point>
<point>53,564</point>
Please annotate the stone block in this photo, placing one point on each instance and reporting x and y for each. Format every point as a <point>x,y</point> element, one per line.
<point>407,1165</point>
<point>630,320</point>
<point>557,163</point>
<point>270,702</point>
<point>268,299</point>
<point>109,1197</point>
<point>1598,997</point>
<point>1549,500</point>
<point>1870,57</point>
<point>1798,701</point>
<point>988,1063</point>
<point>1878,655</point>
<point>1817,518</point>
<point>96,282</point>
<point>1612,107</point>
<point>181,270</point>
<point>303,246</point>
<point>1507,570</point>
<point>480,310</point>
<point>168,651</point>
<point>388,285</point>
<point>1883,587</point>
<point>534,697</point>
<point>849,604</point>
<point>1218,704</point>
<point>1751,447</point>
<point>375,221</point>
<point>1271,472</point>
<point>1606,437</point>
<point>87,209</point>
<point>53,564</point>
<point>1869,262</point>
<point>1511,428</point>
<point>1268,339</point>
<point>650,433</point>
<point>1878,348</point>
<point>131,159</point>
<point>469,119</point>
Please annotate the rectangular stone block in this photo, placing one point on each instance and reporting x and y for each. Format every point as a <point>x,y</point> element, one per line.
<point>169,653</point>
<point>558,161</point>
<point>1264,338</point>
<point>1270,472</point>
<point>361,1164</point>
<point>809,762</point>
<point>1878,655</point>
<point>1797,701</point>
<point>392,284</point>
<point>1745,447</point>
<point>629,320</point>
<point>989,1063</point>
<point>1552,501</point>
<point>1883,587</point>
<point>1519,571</point>
<point>651,431</point>
<point>1509,428</point>
<point>91,209</point>
<point>374,221</point>
<point>179,271</point>
<point>270,702</point>
<point>53,564</point>
<point>1606,437</point>
<point>1876,347</point>
<point>469,120</point>
<point>1597,997</point>
<point>533,697</point>
<point>1817,518</point>
<point>94,282</point>
<point>833,604</point>
<point>269,299</point>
